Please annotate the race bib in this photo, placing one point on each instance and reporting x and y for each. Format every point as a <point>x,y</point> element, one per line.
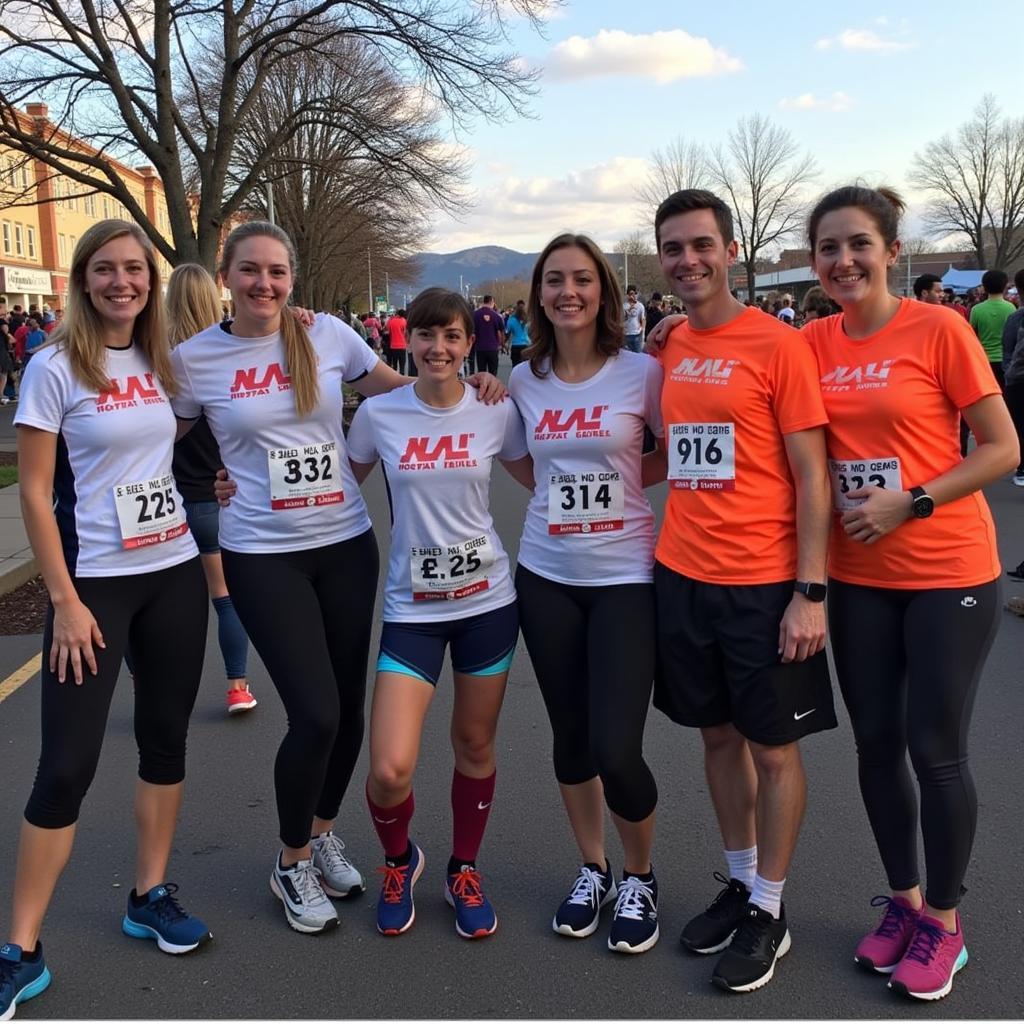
<point>148,512</point>
<point>702,456</point>
<point>852,474</point>
<point>451,572</point>
<point>585,502</point>
<point>304,476</point>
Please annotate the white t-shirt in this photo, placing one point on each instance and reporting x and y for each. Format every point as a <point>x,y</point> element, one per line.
<point>634,317</point>
<point>589,522</point>
<point>295,486</point>
<point>118,509</point>
<point>447,562</point>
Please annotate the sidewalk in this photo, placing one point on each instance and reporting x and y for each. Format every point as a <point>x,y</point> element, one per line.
<point>17,564</point>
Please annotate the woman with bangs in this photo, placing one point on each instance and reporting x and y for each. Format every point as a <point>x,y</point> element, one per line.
<point>106,524</point>
<point>586,563</point>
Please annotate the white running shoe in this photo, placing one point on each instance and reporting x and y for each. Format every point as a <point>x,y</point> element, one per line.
<point>339,877</point>
<point>305,904</point>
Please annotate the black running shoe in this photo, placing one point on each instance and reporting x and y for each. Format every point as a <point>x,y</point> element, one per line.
<point>759,942</point>
<point>710,931</point>
<point>580,912</point>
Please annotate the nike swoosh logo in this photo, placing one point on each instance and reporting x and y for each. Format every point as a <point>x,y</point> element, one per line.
<point>385,821</point>
<point>481,806</point>
<point>796,717</point>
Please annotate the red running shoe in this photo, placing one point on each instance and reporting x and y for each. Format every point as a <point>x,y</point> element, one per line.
<point>883,949</point>
<point>240,700</point>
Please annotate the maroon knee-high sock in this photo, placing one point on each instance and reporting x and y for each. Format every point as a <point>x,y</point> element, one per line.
<point>392,825</point>
<point>471,805</point>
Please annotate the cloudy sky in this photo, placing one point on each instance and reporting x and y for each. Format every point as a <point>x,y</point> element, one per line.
<point>861,86</point>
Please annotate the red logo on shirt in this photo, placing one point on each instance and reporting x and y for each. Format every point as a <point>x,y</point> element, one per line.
<point>419,454</point>
<point>247,385</point>
<point>873,375</point>
<point>134,391</point>
<point>555,424</point>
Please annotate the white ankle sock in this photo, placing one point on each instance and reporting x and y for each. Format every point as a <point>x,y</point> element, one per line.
<point>742,865</point>
<point>767,895</point>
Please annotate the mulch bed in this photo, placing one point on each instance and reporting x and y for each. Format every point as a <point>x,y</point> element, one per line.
<point>24,610</point>
<point>8,458</point>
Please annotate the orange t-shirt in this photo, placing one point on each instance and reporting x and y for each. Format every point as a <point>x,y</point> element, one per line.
<point>730,394</point>
<point>893,402</point>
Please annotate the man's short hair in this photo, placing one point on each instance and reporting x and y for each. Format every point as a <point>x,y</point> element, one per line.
<point>655,296</point>
<point>488,298</point>
<point>925,283</point>
<point>687,201</point>
<point>630,288</point>
<point>994,281</point>
<point>1018,280</point>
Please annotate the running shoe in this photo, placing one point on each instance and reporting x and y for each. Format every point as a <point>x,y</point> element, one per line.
<point>20,979</point>
<point>338,875</point>
<point>162,918</point>
<point>305,903</point>
<point>635,922</point>
<point>1015,605</point>
<point>749,962</point>
<point>711,930</point>
<point>1018,479</point>
<point>1017,573</point>
<point>395,908</point>
<point>883,949</point>
<point>474,915</point>
<point>240,700</point>
<point>580,912</point>
<point>931,960</point>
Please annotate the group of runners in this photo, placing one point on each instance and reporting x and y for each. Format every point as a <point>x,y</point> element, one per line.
<point>799,464</point>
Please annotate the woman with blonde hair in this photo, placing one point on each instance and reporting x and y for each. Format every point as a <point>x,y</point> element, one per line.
<point>299,554</point>
<point>106,524</point>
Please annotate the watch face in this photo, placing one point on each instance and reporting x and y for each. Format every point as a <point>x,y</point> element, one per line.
<point>813,591</point>
<point>923,506</point>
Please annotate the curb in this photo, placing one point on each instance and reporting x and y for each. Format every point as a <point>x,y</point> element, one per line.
<point>14,576</point>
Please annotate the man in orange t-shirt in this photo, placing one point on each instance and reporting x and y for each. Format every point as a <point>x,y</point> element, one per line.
<point>740,575</point>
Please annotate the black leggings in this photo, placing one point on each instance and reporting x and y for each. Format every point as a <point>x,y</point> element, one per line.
<point>487,362</point>
<point>309,613</point>
<point>908,663</point>
<point>593,651</point>
<point>163,615</point>
<point>1014,395</point>
<point>396,359</point>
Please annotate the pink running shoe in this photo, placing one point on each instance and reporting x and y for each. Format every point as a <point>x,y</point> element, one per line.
<point>883,949</point>
<point>933,957</point>
<point>240,700</point>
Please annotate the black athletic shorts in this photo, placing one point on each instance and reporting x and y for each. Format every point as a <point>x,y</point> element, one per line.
<point>718,661</point>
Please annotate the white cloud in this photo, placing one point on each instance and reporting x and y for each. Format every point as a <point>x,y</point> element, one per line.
<point>664,56</point>
<point>863,40</point>
<point>836,103</point>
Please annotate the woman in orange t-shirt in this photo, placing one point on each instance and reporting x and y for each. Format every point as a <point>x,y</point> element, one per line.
<point>913,566</point>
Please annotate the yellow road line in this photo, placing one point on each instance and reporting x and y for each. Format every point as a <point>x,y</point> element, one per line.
<point>20,676</point>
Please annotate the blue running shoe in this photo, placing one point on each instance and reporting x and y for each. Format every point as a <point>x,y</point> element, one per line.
<point>20,979</point>
<point>635,922</point>
<point>162,918</point>
<point>395,909</point>
<point>474,915</point>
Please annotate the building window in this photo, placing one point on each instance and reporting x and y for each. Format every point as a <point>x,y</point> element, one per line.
<point>62,250</point>
<point>74,242</point>
<point>90,205</point>
<point>106,208</point>
<point>24,174</point>
<point>7,237</point>
<point>19,240</point>
<point>31,242</point>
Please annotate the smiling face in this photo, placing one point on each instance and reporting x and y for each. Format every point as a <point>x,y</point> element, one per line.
<point>439,351</point>
<point>851,258</point>
<point>570,289</point>
<point>260,280</point>
<point>117,281</point>
<point>694,257</point>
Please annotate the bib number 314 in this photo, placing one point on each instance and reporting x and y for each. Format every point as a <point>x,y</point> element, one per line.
<point>304,476</point>
<point>585,502</point>
<point>702,456</point>
<point>149,512</point>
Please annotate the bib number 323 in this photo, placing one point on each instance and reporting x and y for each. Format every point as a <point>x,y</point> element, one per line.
<point>452,571</point>
<point>304,476</point>
<point>702,456</point>
<point>853,474</point>
<point>585,502</point>
<point>149,512</point>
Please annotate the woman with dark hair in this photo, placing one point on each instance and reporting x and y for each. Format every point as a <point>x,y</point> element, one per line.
<point>105,520</point>
<point>914,588</point>
<point>586,563</point>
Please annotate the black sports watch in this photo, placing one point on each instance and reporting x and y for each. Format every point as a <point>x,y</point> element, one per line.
<point>923,505</point>
<point>812,591</point>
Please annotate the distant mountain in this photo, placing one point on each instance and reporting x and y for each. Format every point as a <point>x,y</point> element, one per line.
<point>477,265</point>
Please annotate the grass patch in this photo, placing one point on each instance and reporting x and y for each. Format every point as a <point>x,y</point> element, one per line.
<point>8,475</point>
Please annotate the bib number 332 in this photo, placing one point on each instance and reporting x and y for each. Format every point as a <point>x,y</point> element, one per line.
<point>304,476</point>
<point>149,512</point>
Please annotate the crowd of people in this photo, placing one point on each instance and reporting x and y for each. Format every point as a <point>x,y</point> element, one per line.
<point>801,465</point>
<point>21,335</point>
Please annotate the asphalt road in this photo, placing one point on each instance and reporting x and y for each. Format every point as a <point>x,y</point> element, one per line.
<point>257,967</point>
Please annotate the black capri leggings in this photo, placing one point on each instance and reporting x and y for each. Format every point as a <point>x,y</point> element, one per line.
<point>309,614</point>
<point>593,651</point>
<point>163,615</point>
<point>908,663</point>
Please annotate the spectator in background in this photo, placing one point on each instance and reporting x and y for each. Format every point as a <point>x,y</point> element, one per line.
<point>951,301</point>
<point>928,288</point>
<point>654,312</point>
<point>786,312</point>
<point>489,330</point>
<point>1013,369</point>
<point>396,341</point>
<point>817,305</point>
<point>516,333</point>
<point>989,317</point>
<point>34,340</point>
<point>6,360</point>
<point>633,316</point>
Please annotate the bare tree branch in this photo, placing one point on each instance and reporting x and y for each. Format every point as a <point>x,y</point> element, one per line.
<point>681,164</point>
